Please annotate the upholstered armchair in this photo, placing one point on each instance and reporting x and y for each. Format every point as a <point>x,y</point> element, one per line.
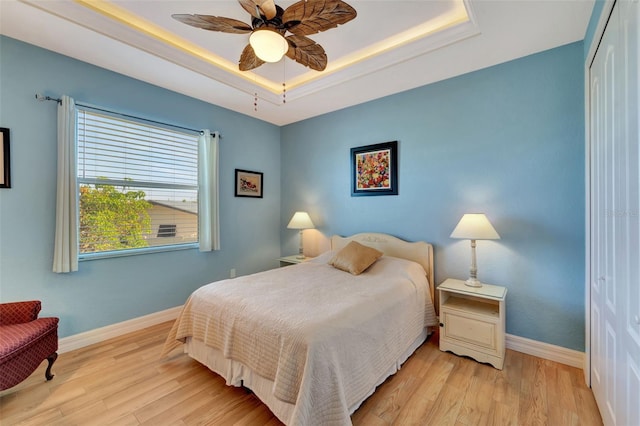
<point>25,341</point>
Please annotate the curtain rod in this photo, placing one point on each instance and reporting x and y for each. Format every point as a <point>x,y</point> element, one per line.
<point>43,98</point>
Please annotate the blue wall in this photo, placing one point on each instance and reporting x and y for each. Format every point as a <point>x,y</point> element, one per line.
<point>109,291</point>
<point>598,8</point>
<point>507,141</point>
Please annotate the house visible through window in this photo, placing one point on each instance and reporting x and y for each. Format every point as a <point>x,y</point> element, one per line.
<point>138,184</point>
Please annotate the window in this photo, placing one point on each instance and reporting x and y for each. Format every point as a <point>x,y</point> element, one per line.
<point>138,185</point>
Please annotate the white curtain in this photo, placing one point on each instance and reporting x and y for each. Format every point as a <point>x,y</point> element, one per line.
<point>208,200</point>
<point>65,253</point>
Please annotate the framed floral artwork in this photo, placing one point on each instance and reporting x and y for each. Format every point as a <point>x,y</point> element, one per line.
<point>374,169</point>
<point>248,184</point>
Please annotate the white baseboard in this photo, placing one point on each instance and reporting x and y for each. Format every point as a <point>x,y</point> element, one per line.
<point>97,335</point>
<point>545,351</point>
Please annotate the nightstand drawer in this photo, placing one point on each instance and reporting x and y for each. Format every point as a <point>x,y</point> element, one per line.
<point>469,329</point>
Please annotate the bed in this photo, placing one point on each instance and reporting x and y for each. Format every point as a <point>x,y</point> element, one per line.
<point>310,340</point>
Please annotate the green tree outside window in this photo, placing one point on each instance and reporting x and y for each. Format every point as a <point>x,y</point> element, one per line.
<point>112,219</point>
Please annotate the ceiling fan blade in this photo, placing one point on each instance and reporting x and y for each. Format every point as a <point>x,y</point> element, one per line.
<point>249,60</point>
<point>314,16</point>
<point>306,52</point>
<point>266,8</point>
<point>214,23</point>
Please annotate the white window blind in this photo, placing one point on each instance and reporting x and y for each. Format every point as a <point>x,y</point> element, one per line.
<point>138,184</point>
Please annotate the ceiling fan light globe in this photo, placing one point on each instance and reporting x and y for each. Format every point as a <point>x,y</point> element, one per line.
<point>268,45</point>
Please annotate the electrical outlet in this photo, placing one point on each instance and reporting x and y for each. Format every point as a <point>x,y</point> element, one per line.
<point>232,273</point>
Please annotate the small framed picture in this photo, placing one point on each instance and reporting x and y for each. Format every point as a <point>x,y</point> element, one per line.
<point>248,184</point>
<point>374,169</point>
<point>5,160</point>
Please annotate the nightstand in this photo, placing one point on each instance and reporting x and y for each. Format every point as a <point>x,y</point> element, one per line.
<point>472,321</point>
<point>291,260</point>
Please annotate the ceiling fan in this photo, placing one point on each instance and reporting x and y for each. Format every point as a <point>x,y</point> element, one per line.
<point>269,25</point>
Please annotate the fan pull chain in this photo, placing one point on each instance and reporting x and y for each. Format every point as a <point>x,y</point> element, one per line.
<point>255,94</point>
<point>284,82</point>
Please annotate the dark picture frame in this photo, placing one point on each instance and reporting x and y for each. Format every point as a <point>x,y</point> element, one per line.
<point>248,184</point>
<point>374,169</point>
<point>5,158</point>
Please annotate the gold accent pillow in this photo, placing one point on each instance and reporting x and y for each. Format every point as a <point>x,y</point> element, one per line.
<point>355,258</point>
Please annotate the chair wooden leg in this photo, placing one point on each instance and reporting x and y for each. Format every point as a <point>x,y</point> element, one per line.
<point>51,359</point>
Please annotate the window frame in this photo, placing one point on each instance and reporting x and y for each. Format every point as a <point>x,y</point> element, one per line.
<point>115,182</point>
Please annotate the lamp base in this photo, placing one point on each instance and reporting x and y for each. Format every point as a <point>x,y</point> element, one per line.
<point>473,282</point>
<point>301,248</point>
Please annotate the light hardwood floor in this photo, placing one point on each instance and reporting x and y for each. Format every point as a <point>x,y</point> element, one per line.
<point>122,381</point>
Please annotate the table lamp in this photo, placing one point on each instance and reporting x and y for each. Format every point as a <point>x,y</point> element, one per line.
<point>301,221</point>
<point>474,226</point>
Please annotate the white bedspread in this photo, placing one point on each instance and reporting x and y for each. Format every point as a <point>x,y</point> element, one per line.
<point>323,336</point>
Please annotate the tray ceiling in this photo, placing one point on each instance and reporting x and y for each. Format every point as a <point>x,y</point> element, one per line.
<point>391,46</point>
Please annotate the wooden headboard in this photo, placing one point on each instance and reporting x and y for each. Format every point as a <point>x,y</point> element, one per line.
<point>420,252</point>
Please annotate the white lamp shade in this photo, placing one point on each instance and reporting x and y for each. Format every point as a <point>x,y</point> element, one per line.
<point>300,220</point>
<point>268,45</point>
<point>475,226</point>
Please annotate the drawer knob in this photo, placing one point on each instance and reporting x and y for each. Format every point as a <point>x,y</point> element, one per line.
<point>441,325</point>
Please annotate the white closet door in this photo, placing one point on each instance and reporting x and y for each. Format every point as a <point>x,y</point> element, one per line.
<point>629,288</point>
<point>615,219</point>
<point>603,133</point>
